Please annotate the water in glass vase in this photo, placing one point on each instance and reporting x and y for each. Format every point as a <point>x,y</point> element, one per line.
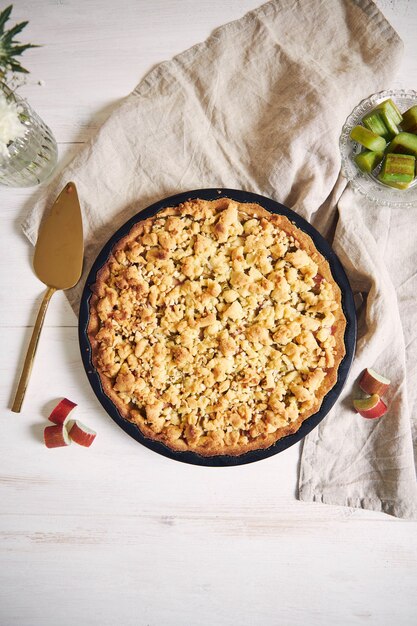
<point>31,157</point>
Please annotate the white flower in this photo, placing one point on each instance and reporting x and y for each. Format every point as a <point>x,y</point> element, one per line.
<point>10,125</point>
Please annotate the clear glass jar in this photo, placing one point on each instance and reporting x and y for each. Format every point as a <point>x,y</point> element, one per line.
<point>33,156</point>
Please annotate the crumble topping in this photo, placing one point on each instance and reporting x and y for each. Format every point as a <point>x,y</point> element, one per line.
<point>215,327</point>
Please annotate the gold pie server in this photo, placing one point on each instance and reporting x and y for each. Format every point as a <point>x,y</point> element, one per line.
<point>57,263</point>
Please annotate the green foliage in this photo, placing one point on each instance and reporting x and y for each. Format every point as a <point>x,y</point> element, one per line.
<point>10,49</point>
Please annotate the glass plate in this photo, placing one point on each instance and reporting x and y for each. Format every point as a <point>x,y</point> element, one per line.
<point>368,184</point>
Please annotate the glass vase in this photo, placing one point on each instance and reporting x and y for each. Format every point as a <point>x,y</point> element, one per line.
<point>31,157</point>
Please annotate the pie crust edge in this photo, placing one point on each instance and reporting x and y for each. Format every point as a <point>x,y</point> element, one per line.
<point>265,440</point>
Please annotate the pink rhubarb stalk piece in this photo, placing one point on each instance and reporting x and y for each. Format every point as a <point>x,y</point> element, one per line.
<point>61,411</point>
<point>371,382</point>
<point>56,436</point>
<point>81,434</point>
<point>371,407</point>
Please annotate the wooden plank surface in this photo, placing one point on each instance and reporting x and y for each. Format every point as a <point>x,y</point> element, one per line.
<point>117,535</point>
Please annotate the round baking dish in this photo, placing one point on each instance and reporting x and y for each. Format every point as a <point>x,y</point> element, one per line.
<point>347,303</point>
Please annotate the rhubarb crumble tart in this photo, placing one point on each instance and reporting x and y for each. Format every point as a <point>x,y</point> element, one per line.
<point>216,327</point>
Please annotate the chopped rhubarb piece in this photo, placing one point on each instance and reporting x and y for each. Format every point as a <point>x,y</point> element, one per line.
<point>61,411</point>
<point>371,382</point>
<point>389,122</point>
<point>367,138</point>
<point>371,407</point>
<point>81,434</point>
<point>409,122</point>
<point>56,436</point>
<point>404,143</point>
<point>373,121</point>
<point>390,109</point>
<point>397,169</point>
<point>318,279</point>
<point>368,160</point>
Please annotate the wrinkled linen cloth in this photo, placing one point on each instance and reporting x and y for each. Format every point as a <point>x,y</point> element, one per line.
<point>259,106</point>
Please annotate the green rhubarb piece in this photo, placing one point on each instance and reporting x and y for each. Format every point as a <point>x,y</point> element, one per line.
<point>381,123</point>
<point>368,139</point>
<point>391,126</point>
<point>396,185</point>
<point>368,160</point>
<point>404,143</point>
<point>373,121</point>
<point>400,166</point>
<point>398,169</point>
<point>409,122</point>
<point>390,108</point>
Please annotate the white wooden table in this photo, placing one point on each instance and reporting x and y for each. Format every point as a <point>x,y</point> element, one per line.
<point>116,535</point>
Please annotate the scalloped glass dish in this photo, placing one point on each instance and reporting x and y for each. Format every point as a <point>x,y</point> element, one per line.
<point>368,184</point>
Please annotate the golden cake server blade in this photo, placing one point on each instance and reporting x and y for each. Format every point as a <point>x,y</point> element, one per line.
<point>57,263</point>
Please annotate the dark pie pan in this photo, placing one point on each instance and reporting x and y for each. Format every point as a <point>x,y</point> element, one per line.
<point>329,400</point>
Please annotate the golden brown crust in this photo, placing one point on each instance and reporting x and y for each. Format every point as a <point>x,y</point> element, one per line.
<point>216,327</point>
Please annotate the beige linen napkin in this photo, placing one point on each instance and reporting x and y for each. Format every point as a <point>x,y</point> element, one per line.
<point>349,460</point>
<point>259,106</point>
